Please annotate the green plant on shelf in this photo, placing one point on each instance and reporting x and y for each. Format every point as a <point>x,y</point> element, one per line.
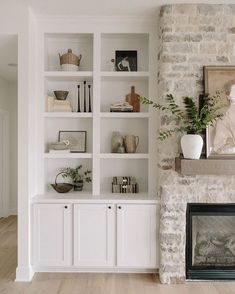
<point>192,119</point>
<point>76,175</point>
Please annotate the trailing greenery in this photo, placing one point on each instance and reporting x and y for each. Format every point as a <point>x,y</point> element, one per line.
<point>191,120</point>
<point>76,174</point>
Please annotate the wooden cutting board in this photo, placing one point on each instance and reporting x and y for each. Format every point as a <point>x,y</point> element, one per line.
<point>133,99</point>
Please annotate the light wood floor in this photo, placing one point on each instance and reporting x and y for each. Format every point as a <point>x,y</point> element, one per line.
<point>87,283</point>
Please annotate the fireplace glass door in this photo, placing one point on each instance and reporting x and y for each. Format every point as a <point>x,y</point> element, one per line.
<point>210,250</point>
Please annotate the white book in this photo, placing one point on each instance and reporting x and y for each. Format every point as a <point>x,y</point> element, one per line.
<point>59,151</point>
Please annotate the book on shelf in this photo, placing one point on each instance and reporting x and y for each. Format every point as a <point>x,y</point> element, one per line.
<point>54,105</point>
<point>125,185</point>
<point>121,107</point>
<point>52,151</point>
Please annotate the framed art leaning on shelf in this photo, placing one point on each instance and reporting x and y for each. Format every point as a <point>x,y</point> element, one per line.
<point>77,140</point>
<point>220,138</point>
<point>126,60</point>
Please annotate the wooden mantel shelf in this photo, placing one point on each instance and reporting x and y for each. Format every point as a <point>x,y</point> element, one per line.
<point>190,167</point>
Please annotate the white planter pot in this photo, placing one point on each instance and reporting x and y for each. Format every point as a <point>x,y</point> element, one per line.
<point>191,146</point>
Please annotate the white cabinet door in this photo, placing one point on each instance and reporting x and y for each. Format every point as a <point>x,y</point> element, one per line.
<point>94,234</point>
<point>136,235</point>
<point>52,234</point>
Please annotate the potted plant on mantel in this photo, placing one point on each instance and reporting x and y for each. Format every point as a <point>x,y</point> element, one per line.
<point>78,178</point>
<point>192,120</point>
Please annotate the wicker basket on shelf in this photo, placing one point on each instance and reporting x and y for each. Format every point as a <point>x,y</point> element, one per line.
<point>61,187</point>
<point>69,61</point>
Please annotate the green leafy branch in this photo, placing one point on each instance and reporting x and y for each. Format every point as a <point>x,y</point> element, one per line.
<point>192,120</point>
<point>76,175</point>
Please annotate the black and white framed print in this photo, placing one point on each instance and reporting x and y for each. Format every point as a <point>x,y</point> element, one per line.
<point>126,60</point>
<point>76,139</point>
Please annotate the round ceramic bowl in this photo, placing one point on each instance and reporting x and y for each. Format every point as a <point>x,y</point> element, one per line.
<point>61,95</point>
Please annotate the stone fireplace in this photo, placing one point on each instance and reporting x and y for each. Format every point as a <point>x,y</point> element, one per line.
<point>190,37</point>
<point>174,201</point>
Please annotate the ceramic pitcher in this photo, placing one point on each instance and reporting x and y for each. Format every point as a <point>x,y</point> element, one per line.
<point>131,142</point>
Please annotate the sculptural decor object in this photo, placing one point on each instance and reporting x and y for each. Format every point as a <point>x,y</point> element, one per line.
<point>220,137</point>
<point>61,95</point>
<point>70,61</point>
<point>126,60</point>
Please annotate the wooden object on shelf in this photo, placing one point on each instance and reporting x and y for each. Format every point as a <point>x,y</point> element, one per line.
<point>190,167</point>
<point>133,99</point>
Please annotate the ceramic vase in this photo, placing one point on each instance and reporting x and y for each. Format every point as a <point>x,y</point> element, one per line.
<point>191,146</point>
<point>117,140</point>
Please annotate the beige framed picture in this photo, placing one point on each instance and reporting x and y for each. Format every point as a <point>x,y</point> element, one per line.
<point>76,139</point>
<point>220,138</point>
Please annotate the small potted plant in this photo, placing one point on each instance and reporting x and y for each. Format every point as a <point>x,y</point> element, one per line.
<point>193,120</point>
<point>77,176</point>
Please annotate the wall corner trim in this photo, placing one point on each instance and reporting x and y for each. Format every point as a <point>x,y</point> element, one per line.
<point>24,274</point>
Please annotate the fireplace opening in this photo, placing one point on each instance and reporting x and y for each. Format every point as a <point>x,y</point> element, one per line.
<point>210,242</point>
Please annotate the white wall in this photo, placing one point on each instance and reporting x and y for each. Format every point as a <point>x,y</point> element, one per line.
<point>13,107</point>
<point>8,102</point>
<point>4,103</point>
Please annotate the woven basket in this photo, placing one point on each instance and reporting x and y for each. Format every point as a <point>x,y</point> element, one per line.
<point>61,187</point>
<point>70,58</point>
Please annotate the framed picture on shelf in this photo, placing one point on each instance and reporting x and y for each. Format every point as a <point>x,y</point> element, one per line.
<point>77,140</point>
<point>126,60</point>
<point>220,138</point>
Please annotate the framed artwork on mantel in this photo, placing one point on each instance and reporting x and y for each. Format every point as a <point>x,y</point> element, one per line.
<point>220,138</point>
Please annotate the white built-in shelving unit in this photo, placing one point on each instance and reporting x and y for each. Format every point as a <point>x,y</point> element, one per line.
<point>123,227</point>
<point>107,86</point>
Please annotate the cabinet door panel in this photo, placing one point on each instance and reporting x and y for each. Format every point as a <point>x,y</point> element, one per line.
<point>136,235</point>
<point>52,234</point>
<point>93,235</point>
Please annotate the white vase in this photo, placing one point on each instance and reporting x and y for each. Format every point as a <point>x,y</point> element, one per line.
<point>191,146</point>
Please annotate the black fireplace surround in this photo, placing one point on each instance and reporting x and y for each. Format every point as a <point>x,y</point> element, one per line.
<point>210,241</point>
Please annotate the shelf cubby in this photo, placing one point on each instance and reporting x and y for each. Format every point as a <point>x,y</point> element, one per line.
<point>72,87</point>
<point>113,91</point>
<point>53,126</point>
<point>60,43</point>
<point>126,127</point>
<point>121,168</point>
<point>112,42</point>
<point>53,167</point>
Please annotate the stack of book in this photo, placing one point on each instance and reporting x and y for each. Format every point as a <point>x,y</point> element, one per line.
<point>124,185</point>
<point>54,105</point>
<point>121,107</point>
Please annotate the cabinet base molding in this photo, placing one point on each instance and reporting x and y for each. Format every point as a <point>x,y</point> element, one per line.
<point>24,274</point>
<point>41,269</point>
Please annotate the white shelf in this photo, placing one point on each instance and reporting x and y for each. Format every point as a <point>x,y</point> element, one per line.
<point>124,155</point>
<point>86,197</point>
<point>124,114</point>
<point>68,75</point>
<point>125,74</point>
<point>68,115</point>
<point>67,155</point>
